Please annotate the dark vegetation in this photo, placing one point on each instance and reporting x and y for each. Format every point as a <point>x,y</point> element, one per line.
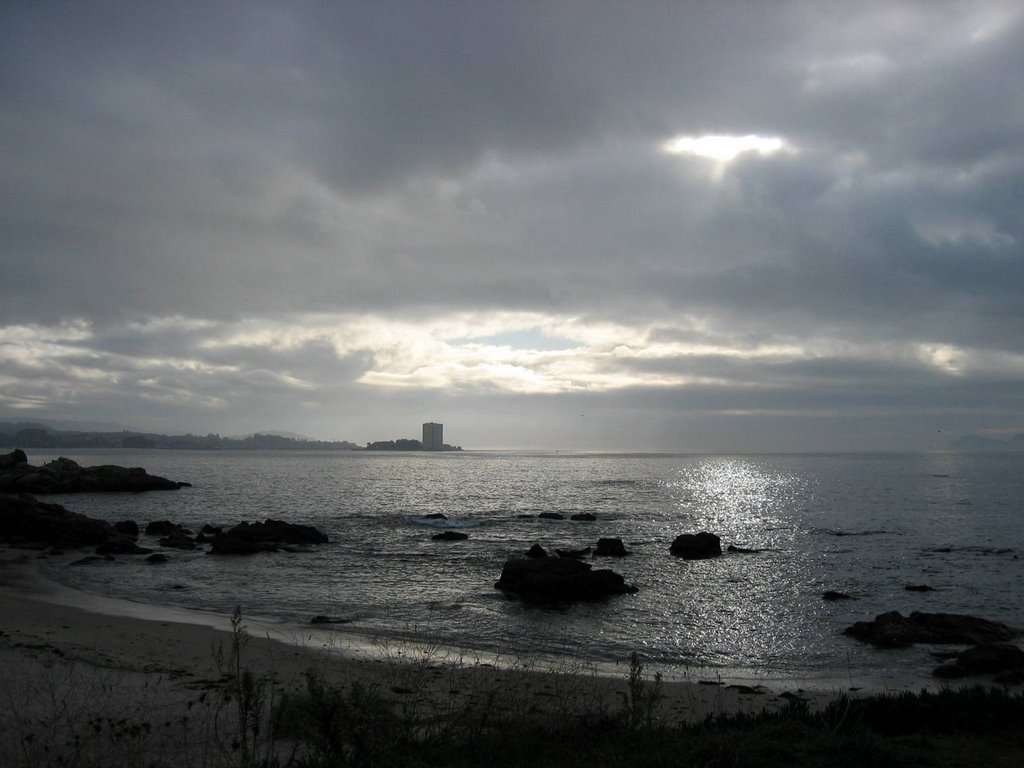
<point>248,718</point>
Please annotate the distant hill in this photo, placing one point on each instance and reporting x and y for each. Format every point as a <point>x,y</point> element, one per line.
<point>33,434</point>
<point>274,433</point>
<point>978,443</point>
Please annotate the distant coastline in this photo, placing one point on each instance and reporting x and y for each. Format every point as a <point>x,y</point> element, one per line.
<point>37,435</point>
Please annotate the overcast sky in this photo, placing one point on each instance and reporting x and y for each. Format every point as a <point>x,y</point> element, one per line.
<point>706,226</point>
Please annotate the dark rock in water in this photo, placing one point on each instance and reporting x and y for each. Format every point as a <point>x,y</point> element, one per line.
<point>741,551</point>
<point>321,619</point>
<point>156,559</point>
<point>163,528</point>
<point>559,580</point>
<point>894,630</point>
<point>435,516</point>
<point>525,517</point>
<point>536,551</point>
<point>610,548</point>
<point>584,517</point>
<point>699,546</point>
<point>250,538</point>
<point>211,530</point>
<point>450,536</point>
<point>66,476</point>
<point>121,545</point>
<point>987,658</point>
<point>551,516</point>
<point>832,595</point>
<point>26,520</point>
<point>178,540</point>
<point>919,588</point>
<point>576,553</point>
<point>127,528</point>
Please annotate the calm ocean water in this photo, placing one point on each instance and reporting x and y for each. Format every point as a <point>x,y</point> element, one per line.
<point>867,525</point>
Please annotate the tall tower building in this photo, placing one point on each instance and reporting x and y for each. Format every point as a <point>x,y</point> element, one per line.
<point>433,436</point>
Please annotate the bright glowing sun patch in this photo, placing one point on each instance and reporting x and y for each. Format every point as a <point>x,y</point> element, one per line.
<point>723,148</point>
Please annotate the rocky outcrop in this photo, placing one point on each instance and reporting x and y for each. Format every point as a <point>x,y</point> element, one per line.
<point>178,540</point>
<point>121,546</point>
<point>696,546</point>
<point>559,580</point>
<point>831,595</point>
<point>67,476</point>
<point>26,520</point>
<point>610,548</point>
<point>894,630</point>
<point>268,536</point>
<point>988,658</point>
<point>536,551</point>
<point>163,528</point>
<point>127,528</point>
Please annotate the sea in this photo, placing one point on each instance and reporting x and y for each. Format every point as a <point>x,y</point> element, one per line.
<point>867,525</point>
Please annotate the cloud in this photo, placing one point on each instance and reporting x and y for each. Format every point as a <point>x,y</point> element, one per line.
<point>306,204</point>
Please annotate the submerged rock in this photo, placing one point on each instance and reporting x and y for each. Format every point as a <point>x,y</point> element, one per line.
<point>832,595</point>
<point>894,630</point>
<point>551,516</point>
<point>559,580</point>
<point>584,517</point>
<point>450,536</point>
<point>696,546</point>
<point>575,553</point>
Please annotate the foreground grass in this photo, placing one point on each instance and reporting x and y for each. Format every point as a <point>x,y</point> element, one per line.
<point>246,720</point>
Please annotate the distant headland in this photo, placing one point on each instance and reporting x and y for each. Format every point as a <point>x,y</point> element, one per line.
<point>39,435</point>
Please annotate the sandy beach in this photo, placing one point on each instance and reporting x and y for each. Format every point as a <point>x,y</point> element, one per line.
<point>81,672</point>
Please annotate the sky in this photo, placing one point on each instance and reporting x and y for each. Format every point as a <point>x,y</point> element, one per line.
<point>685,226</point>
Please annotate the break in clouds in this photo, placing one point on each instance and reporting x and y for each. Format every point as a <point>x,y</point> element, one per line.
<point>691,226</point>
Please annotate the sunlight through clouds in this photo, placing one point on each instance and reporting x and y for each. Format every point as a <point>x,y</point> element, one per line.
<point>724,148</point>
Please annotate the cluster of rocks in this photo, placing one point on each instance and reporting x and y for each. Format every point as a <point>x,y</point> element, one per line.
<point>539,577</point>
<point>559,580</point>
<point>66,476</point>
<point>26,521</point>
<point>990,651</point>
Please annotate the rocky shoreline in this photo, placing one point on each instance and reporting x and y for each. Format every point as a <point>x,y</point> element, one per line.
<point>535,577</point>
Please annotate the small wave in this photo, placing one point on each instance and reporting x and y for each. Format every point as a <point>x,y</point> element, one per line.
<point>973,550</point>
<point>829,532</point>
<point>439,523</point>
<point>616,482</point>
